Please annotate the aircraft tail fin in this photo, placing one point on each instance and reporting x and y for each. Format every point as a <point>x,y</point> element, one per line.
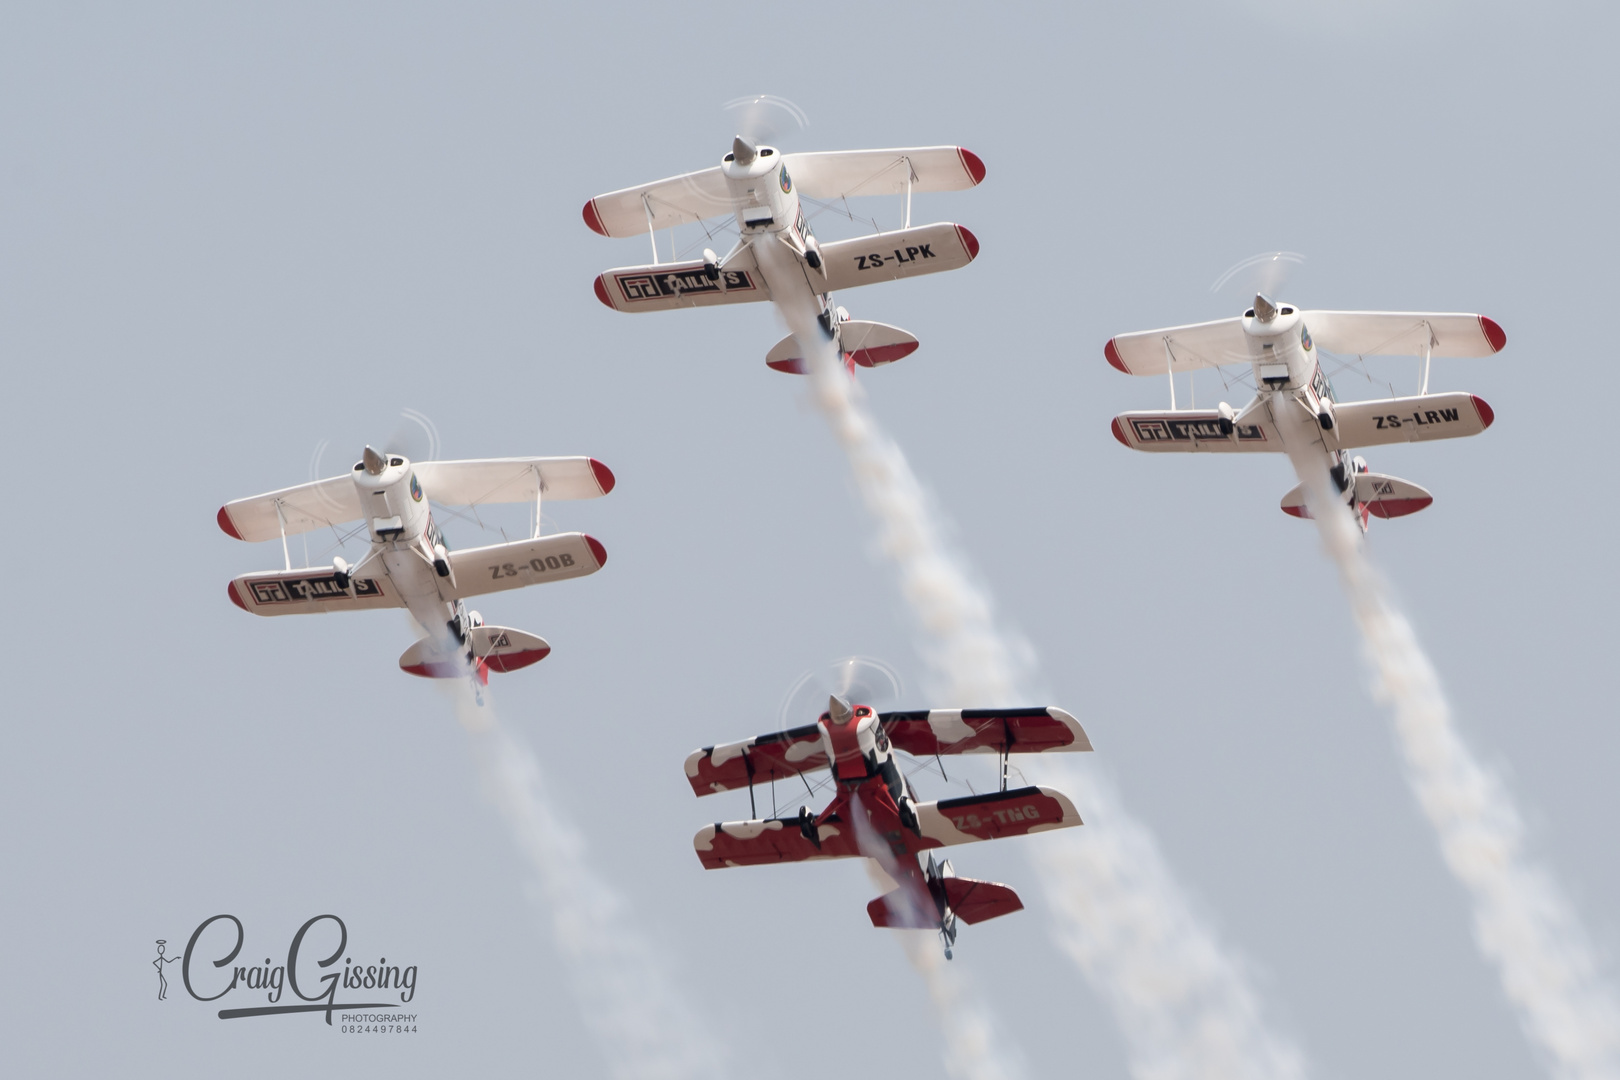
<point>1376,494</point>
<point>488,648</point>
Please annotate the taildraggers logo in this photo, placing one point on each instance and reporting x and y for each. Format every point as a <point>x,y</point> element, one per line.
<point>209,972</point>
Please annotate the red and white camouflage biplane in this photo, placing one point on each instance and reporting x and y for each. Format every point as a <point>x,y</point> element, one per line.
<point>1295,410</point>
<point>777,257</point>
<point>409,565</point>
<point>874,812</point>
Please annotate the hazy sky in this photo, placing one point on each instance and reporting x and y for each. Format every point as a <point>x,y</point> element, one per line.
<point>230,236</point>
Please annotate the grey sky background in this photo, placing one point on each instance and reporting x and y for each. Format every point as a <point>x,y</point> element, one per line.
<point>230,234</point>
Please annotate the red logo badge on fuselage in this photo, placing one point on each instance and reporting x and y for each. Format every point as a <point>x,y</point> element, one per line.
<point>416,488</point>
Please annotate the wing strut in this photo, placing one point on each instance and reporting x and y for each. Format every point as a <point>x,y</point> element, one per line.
<point>748,763</point>
<point>1170,370</point>
<point>652,234</point>
<point>911,174</point>
<point>1428,350</point>
<point>286,556</point>
<point>539,489</point>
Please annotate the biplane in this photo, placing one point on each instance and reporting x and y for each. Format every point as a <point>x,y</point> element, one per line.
<point>1295,409</point>
<point>409,565</point>
<point>776,256</point>
<point>874,812</point>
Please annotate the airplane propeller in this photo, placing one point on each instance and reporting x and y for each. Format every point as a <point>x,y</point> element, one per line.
<point>854,680</point>
<point>1265,274</point>
<point>763,118</point>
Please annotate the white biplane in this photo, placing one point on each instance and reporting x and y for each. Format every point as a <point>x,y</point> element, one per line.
<point>409,565</point>
<point>1294,409</point>
<point>777,257</point>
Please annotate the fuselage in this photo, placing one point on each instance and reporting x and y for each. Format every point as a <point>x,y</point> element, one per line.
<point>771,220</point>
<point>405,543</point>
<point>1295,391</point>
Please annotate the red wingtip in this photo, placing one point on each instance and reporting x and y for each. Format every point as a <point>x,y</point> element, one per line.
<point>225,522</point>
<point>593,220</point>
<point>1493,333</point>
<point>1111,351</point>
<point>970,242</point>
<point>971,162</point>
<point>793,365</point>
<point>601,290</point>
<point>1300,511</point>
<point>230,587</point>
<point>1119,433</point>
<point>597,551</point>
<point>1487,415</point>
<point>604,476</point>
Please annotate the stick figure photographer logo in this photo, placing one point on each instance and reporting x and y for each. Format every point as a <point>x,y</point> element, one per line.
<point>210,972</point>
<point>163,983</point>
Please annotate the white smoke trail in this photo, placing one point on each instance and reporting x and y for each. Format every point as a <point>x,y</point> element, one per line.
<point>1183,1003</point>
<point>971,1043</point>
<point>639,1019</point>
<point>1522,920</point>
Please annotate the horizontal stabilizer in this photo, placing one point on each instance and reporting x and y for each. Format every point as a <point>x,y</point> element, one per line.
<point>976,901</point>
<point>924,249</point>
<point>900,909</point>
<point>972,901</point>
<point>1383,496</point>
<point>501,648</point>
<point>869,344</point>
<point>665,286</point>
<point>499,567</point>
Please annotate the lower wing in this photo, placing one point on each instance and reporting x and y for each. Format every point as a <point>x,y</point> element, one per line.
<point>1410,419</point>
<point>499,567</point>
<point>926,249</point>
<point>1194,431</point>
<point>310,591</point>
<point>661,287</point>
<point>950,821</point>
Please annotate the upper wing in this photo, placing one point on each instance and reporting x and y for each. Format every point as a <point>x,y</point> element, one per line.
<point>660,287</point>
<point>1209,344</point>
<point>1189,430</point>
<point>925,249</point>
<point>987,731</point>
<point>690,197</point>
<point>506,480</point>
<point>1404,333</point>
<point>769,757</point>
<point>1410,419</point>
<point>305,592</point>
<point>843,173</point>
<point>477,571</point>
<point>305,507</point>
